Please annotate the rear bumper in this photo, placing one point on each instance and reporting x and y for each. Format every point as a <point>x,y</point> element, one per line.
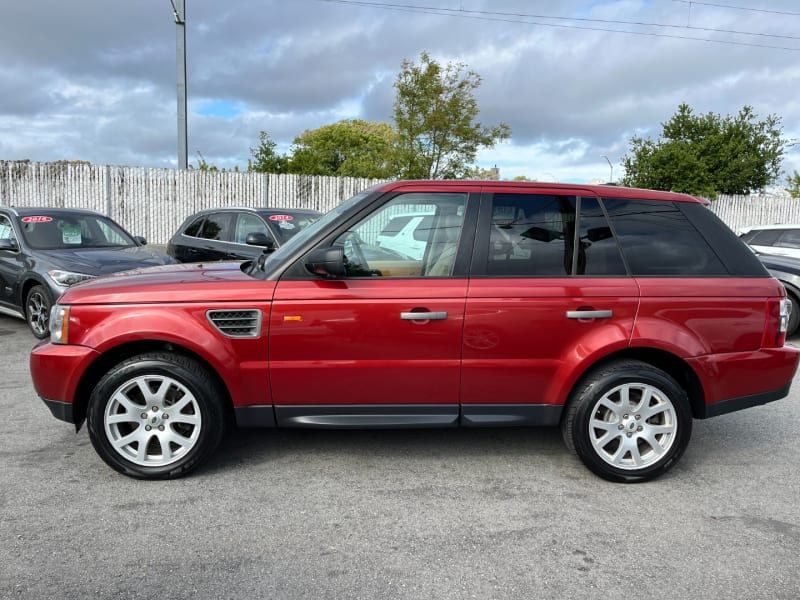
<point>741,380</point>
<point>56,371</point>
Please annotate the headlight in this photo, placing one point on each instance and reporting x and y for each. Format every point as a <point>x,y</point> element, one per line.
<point>67,278</point>
<point>59,324</point>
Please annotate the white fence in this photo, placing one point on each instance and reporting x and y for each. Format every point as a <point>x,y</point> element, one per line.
<point>154,202</point>
<point>740,211</point>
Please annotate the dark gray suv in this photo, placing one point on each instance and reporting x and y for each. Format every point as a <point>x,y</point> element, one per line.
<point>236,233</point>
<point>43,251</point>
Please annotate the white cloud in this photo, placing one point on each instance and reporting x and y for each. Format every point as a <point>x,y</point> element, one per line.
<point>96,81</point>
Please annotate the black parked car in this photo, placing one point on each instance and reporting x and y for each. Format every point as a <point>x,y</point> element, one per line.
<point>236,233</point>
<point>786,270</point>
<point>45,250</point>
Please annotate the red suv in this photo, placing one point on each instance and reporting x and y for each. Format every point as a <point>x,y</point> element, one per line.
<point>618,314</point>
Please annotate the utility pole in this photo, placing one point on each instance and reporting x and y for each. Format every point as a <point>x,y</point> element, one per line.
<point>179,11</point>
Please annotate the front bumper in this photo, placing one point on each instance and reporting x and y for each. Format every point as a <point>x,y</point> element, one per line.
<point>56,371</point>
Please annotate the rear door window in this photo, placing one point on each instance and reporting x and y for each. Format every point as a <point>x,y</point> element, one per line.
<point>534,235</point>
<point>217,226</point>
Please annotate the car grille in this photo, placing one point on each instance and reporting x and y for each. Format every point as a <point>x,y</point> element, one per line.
<point>236,323</point>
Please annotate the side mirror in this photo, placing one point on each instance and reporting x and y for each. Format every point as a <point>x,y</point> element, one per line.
<point>260,239</point>
<point>140,240</point>
<point>326,262</point>
<point>9,244</point>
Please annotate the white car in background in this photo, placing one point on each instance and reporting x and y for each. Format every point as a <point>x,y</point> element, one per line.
<point>777,240</point>
<point>407,234</point>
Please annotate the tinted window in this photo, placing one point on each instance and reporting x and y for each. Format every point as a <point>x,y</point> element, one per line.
<point>531,235</point>
<point>423,231</point>
<point>394,226</point>
<point>534,236</point>
<point>193,230</point>
<point>764,237</point>
<point>658,240</point>
<point>217,226</point>
<point>598,253</point>
<point>790,238</point>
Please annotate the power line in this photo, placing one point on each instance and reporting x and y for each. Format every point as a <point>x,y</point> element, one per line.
<point>758,10</point>
<point>506,18</point>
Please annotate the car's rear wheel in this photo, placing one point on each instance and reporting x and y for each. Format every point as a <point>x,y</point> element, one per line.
<point>37,311</point>
<point>628,421</point>
<point>156,416</point>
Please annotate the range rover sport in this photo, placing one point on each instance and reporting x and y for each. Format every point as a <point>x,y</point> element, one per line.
<point>618,315</point>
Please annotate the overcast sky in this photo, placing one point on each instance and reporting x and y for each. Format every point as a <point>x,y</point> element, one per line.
<point>575,79</point>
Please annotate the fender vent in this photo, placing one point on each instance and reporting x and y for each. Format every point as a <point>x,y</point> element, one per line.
<point>236,323</point>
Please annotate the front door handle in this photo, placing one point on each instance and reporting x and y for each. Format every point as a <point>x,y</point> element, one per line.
<point>423,316</point>
<point>589,314</point>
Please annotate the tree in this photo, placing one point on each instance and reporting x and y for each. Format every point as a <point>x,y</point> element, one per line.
<point>794,184</point>
<point>265,159</point>
<point>708,154</point>
<point>349,148</point>
<point>434,114</point>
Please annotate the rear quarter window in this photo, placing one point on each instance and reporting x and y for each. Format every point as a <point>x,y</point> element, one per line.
<point>658,240</point>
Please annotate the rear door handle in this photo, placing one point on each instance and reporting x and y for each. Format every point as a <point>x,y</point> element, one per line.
<point>423,316</point>
<point>589,314</point>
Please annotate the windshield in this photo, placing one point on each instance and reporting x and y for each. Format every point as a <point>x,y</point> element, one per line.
<point>300,238</point>
<point>59,231</point>
<point>288,224</point>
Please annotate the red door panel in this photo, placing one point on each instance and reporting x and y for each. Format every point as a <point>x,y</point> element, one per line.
<point>352,341</point>
<point>521,346</point>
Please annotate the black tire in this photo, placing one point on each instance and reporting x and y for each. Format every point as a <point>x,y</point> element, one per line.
<point>37,311</point>
<point>168,401</point>
<point>629,441</point>
<point>794,316</point>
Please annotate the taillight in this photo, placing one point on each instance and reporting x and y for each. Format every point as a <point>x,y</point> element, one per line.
<point>778,311</point>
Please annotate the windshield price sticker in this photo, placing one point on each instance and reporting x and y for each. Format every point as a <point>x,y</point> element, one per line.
<point>281,217</point>
<point>37,219</point>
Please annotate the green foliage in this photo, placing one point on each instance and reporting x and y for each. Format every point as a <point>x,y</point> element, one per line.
<point>708,154</point>
<point>793,184</point>
<point>265,159</point>
<point>349,148</point>
<point>434,114</point>
<point>202,165</point>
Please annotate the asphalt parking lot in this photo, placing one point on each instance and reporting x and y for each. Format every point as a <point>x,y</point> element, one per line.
<point>399,514</point>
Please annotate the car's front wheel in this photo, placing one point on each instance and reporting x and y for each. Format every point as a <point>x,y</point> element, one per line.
<point>37,311</point>
<point>628,421</point>
<point>156,416</point>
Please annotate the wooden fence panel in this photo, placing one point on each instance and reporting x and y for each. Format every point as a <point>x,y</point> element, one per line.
<point>154,202</point>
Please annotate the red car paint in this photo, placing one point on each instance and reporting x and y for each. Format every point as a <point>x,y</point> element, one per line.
<point>505,341</point>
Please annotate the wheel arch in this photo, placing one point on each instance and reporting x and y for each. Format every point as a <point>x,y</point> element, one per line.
<point>671,364</point>
<point>26,287</point>
<point>117,354</point>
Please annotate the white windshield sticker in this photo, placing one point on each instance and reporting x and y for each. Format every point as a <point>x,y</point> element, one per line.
<point>71,234</point>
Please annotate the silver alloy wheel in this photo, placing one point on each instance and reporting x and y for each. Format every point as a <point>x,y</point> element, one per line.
<point>152,420</point>
<point>633,426</point>
<point>38,310</point>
